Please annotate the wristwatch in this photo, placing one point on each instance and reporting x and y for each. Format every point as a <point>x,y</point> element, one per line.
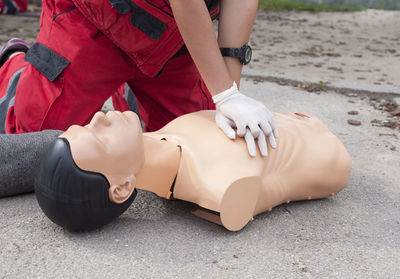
<point>244,53</point>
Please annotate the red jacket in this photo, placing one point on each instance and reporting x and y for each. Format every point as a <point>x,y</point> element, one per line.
<point>144,29</point>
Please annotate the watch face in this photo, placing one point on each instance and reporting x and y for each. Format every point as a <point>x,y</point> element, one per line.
<point>247,55</point>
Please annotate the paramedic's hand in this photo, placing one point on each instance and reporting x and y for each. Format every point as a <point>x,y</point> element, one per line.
<point>251,118</point>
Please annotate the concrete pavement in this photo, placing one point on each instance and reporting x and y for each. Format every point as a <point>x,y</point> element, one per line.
<point>355,234</point>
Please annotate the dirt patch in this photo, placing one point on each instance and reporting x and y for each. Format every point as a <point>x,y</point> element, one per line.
<point>22,27</point>
<point>361,47</point>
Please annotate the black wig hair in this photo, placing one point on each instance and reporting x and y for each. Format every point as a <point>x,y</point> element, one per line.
<point>74,199</point>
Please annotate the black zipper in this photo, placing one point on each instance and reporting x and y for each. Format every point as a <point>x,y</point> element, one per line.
<point>178,53</point>
<point>54,18</point>
<point>162,69</point>
<point>166,4</point>
<point>155,6</point>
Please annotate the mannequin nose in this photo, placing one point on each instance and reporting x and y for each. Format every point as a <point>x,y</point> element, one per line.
<point>100,119</point>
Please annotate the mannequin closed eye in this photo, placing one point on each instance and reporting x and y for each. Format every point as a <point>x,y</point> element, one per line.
<point>302,115</point>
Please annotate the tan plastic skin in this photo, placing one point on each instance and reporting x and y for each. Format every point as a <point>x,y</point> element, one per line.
<point>211,170</point>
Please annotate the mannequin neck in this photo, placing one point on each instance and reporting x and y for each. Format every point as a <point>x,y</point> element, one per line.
<point>161,164</point>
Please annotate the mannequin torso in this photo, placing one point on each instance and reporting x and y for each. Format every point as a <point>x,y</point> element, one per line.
<point>218,174</point>
<point>191,159</point>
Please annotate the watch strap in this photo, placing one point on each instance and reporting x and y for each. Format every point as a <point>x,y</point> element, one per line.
<point>232,52</point>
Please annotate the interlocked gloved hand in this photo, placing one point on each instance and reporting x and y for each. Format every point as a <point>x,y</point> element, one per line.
<point>251,118</point>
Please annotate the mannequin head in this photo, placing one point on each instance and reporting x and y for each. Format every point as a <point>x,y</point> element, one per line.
<point>87,176</point>
<point>111,144</point>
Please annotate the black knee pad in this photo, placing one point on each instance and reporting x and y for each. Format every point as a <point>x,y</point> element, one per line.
<point>74,199</point>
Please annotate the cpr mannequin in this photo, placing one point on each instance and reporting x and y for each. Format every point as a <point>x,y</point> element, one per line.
<point>209,169</point>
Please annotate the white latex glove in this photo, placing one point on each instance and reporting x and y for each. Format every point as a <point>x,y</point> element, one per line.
<point>251,118</point>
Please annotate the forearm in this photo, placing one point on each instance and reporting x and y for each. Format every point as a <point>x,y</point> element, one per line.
<point>235,24</point>
<point>197,31</point>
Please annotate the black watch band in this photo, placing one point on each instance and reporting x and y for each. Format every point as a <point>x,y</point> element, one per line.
<point>244,53</point>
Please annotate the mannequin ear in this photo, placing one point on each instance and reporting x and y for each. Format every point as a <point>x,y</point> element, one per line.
<point>120,193</point>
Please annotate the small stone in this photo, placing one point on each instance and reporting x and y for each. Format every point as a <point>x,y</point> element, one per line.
<point>388,124</point>
<point>352,112</point>
<point>395,113</point>
<point>388,134</point>
<point>395,125</point>
<point>336,69</point>
<point>354,122</point>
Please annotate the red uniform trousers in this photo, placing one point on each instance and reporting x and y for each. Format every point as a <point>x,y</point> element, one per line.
<point>74,68</point>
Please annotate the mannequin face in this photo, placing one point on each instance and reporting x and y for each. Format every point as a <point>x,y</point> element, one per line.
<point>111,144</point>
